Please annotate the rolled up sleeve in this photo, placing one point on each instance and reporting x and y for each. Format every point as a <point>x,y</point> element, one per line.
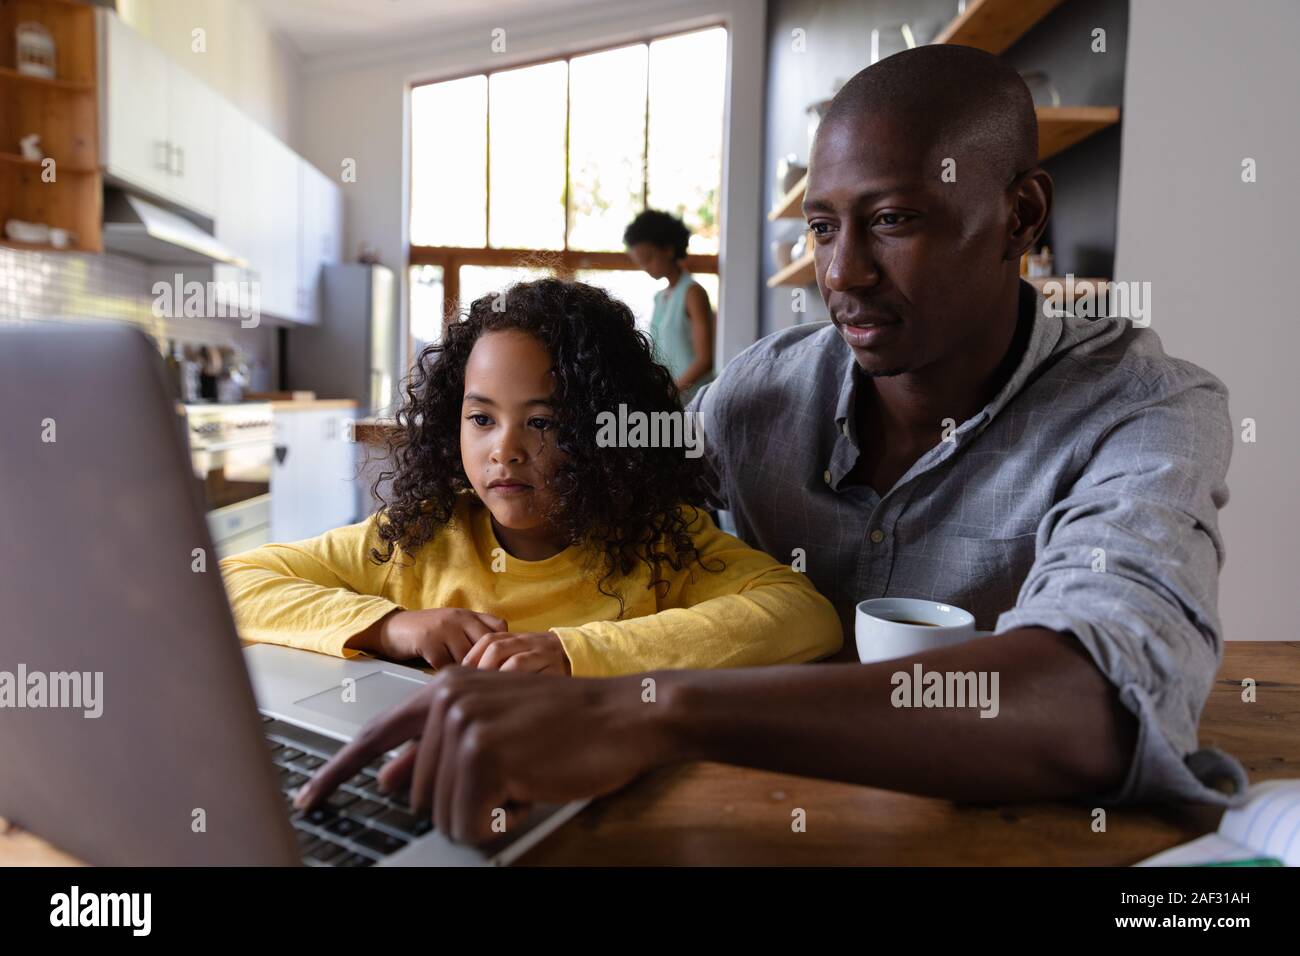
<point>1128,562</point>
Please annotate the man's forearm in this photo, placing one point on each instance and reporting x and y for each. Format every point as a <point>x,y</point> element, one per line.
<point>1059,731</point>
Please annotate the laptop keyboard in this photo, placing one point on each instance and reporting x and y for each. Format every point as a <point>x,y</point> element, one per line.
<point>356,825</point>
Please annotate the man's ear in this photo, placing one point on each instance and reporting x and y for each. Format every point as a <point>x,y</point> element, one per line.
<point>1031,205</point>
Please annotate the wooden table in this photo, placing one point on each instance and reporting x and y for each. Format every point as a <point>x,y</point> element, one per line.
<point>708,813</point>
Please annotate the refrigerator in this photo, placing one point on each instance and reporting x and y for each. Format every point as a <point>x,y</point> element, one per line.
<point>356,350</point>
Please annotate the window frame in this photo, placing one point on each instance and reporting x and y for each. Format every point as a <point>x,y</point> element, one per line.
<point>565,261</point>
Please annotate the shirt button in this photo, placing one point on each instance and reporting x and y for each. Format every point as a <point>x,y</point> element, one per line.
<point>877,536</point>
<point>826,477</point>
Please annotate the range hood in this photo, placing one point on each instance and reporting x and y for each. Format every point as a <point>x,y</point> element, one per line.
<point>136,227</point>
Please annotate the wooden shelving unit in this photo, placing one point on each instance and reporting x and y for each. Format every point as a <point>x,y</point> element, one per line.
<point>994,25</point>
<point>64,111</point>
<point>991,25</point>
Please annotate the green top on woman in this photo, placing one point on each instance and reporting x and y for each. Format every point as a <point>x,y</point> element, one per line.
<point>670,329</point>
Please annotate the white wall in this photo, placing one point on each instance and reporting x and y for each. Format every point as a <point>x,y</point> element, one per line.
<point>244,60</point>
<point>357,107</point>
<point>1207,85</point>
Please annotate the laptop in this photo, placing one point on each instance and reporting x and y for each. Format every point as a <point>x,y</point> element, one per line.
<point>134,730</point>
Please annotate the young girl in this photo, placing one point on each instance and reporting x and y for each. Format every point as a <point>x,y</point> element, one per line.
<point>515,540</point>
<point>682,323</point>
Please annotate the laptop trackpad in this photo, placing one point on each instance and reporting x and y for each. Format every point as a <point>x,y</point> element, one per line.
<point>358,700</point>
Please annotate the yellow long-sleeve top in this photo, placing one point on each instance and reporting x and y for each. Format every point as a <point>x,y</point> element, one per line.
<point>319,593</point>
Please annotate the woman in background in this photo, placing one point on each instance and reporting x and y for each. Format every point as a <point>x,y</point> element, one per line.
<point>682,323</point>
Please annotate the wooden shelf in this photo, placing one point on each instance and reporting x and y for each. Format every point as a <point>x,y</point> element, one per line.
<point>790,206</point>
<point>69,86</point>
<point>15,160</point>
<point>994,25</point>
<point>1060,127</point>
<point>799,272</point>
<point>38,247</point>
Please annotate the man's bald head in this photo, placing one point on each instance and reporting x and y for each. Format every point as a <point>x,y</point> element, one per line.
<point>967,103</point>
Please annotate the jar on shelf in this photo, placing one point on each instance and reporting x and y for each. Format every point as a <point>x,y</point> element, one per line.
<point>35,55</point>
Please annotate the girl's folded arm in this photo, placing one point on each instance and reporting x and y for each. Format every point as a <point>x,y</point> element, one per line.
<point>753,611</point>
<point>314,594</point>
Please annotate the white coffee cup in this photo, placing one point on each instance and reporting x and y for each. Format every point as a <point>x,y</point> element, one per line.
<point>883,632</point>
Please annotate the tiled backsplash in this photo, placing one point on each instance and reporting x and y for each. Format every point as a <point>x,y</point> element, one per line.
<point>48,286</point>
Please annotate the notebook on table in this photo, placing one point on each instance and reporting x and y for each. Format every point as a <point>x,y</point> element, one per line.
<point>1265,828</point>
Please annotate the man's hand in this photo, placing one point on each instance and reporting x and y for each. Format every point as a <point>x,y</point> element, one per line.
<point>441,636</point>
<point>483,741</point>
<point>534,652</point>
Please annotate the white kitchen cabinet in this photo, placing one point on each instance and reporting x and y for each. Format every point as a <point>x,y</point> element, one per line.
<point>258,212</point>
<point>134,94</point>
<point>320,235</point>
<point>167,134</point>
<point>235,224</point>
<point>192,109</point>
<point>273,188</point>
<point>160,133</point>
<point>313,478</point>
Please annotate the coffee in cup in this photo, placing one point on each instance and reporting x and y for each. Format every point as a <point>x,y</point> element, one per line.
<point>887,628</point>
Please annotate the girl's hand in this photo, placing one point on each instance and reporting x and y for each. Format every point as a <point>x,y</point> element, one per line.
<point>536,652</point>
<point>440,636</point>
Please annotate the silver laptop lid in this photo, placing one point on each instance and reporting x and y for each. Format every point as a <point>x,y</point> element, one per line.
<point>128,731</point>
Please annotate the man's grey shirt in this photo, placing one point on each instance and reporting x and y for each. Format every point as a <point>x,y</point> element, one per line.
<point>1083,498</point>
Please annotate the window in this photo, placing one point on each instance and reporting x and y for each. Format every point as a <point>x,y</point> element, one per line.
<point>526,157</point>
<point>606,146</point>
<point>548,163</point>
<point>442,215</point>
<point>686,108</point>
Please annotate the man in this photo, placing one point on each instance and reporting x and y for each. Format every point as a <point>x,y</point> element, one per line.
<point>944,437</point>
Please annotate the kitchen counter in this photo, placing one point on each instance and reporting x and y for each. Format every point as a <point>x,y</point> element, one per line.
<point>373,431</point>
<point>311,405</point>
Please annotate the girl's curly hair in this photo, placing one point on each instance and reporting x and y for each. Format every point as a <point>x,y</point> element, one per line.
<point>627,505</point>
